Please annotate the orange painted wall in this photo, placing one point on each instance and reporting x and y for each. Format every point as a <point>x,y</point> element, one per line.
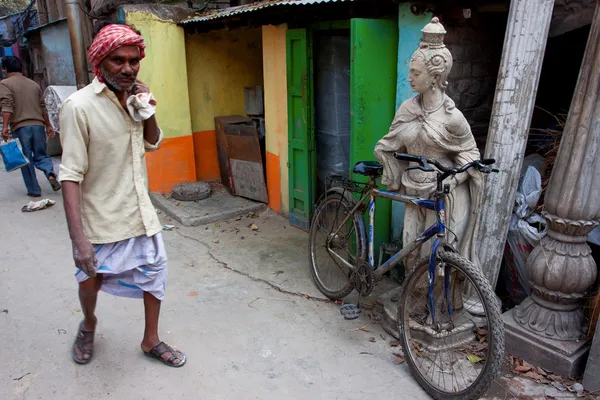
<point>171,164</point>
<point>274,182</point>
<point>207,161</point>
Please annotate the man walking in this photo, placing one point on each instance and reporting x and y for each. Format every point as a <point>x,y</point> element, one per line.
<point>23,108</point>
<point>114,229</point>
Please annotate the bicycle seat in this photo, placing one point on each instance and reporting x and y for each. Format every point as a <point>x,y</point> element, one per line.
<point>369,168</point>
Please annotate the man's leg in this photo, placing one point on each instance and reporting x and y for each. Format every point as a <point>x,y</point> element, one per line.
<point>88,296</point>
<point>26,139</point>
<point>151,340</point>
<point>40,155</point>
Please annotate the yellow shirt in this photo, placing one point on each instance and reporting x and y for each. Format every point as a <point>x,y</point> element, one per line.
<point>105,151</point>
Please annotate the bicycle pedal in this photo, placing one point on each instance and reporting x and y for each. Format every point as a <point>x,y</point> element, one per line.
<point>350,311</point>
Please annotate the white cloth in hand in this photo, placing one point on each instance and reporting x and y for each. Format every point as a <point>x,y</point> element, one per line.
<point>141,106</point>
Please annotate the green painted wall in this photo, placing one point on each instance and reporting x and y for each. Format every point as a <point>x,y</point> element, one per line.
<point>373,79</point>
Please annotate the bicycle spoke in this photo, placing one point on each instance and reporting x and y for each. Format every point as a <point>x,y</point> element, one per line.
<point>330,239</point>
<point>451,355</point>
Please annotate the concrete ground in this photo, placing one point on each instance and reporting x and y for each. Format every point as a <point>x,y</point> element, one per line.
<point>240,303</point>
<point>243,338</point>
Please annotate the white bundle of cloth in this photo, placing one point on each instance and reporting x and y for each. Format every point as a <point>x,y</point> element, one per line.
<point>141,106</point>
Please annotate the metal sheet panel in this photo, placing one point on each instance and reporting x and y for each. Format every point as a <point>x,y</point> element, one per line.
<point>229,12</point>
<point>249,180</point>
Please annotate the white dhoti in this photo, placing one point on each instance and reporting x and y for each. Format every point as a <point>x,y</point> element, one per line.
<point>131,267</point>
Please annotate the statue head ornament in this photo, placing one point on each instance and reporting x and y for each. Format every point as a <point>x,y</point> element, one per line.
<point>434,54</point>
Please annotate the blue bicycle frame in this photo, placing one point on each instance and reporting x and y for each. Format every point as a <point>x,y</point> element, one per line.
<point>438,229</point>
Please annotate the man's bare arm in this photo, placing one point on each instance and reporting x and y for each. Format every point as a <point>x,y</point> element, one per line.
<point>6,118</point>
<point>151,130</point>
<point>49,128</point>
<point>83,251</point>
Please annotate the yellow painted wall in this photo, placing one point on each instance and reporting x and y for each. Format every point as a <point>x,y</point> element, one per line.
<point>164,71</point>
<point>220,64</point>
<point>276,113</point>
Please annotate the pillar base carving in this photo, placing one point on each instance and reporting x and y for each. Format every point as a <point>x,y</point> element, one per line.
<point>561,270</point>
<point>541,317</point>
<point>565,358</point>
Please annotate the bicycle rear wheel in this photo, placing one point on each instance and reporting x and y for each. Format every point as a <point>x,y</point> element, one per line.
<point>454,349</point>
<point>333,278</point>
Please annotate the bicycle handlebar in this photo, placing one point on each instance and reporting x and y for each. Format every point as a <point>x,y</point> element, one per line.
<point>424,165</point>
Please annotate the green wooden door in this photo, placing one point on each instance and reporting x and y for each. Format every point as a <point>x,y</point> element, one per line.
<point>373,75</point>
<point>300,127</point>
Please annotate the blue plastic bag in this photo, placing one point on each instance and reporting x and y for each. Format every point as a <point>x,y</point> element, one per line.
<point>13,156</point>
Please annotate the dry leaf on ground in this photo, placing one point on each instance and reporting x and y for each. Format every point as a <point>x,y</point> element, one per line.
<point>522,369</point>
<point>372,339</point>
<point>394,343</point>
<point>399,360</point>
<point>535,376</point>
<point>474,359</point>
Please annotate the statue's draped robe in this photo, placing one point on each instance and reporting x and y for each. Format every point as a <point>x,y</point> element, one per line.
<point>445,134</point>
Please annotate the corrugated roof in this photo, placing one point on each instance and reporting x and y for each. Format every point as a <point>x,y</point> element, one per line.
<point>228,12</point>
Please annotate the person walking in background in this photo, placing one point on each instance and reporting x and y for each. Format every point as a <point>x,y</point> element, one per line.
<point>23,108</point>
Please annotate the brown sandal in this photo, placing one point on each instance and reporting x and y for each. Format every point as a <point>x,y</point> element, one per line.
<point>82,340</point>
<point>56,186</point>
<point>160,349</point>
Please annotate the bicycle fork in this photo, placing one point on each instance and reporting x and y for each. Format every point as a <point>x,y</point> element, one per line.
<point>371,234</point>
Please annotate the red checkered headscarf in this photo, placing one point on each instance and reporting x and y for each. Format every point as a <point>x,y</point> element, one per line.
<point>109,39</point>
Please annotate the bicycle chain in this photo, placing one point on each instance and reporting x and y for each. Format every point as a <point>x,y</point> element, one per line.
<point>363,280</point>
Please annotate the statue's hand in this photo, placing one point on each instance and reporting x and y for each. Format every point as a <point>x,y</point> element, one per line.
<point>453,181</point>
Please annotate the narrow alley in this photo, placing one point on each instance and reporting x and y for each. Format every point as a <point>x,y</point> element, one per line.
<point>244,339</point>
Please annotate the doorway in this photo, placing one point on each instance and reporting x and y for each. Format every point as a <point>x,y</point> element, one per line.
<point>341,101</point>
<point>331,57</point>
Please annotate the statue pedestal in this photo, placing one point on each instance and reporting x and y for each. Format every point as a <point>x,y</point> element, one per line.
<point>387,310</point>
<point>564,358</point>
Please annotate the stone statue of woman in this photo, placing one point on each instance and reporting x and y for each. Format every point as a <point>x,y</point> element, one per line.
<point>429,125</point>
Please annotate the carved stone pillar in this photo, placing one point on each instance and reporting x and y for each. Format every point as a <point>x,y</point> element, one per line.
<point>516,88</point>
<point>561,268</point>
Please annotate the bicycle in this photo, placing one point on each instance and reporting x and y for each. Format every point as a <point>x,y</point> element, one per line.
<point>436,317</point>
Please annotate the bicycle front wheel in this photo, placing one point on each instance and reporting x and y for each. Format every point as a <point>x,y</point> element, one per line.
<point>329,233</point>
<point>452,333</point>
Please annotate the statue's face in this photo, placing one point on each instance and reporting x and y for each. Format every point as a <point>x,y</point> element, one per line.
<point>419,79</point>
